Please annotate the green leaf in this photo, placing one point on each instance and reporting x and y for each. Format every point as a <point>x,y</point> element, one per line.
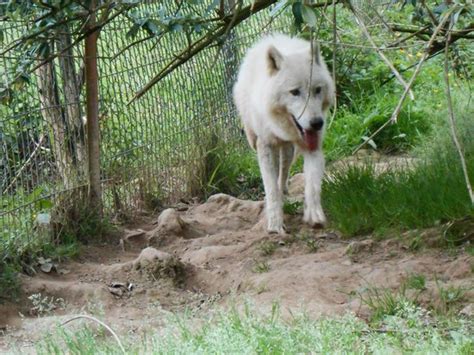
<point>44,204</point>
<point>152,27</point>
<point>279,6</point>
<point>296,9</point>
<point>438,10</point>
<point>133,31</point>
<point>36,193</point>
<point>197,28</point>
<point>6,96</point>
<point>214,4</point>
<point>309,15</point>
<point>456,16</point>
<point>177,27</point>
<point>369,142</point>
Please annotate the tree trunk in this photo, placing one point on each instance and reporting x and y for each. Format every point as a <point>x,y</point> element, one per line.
<point>72,111</point>
<point>52,113</point>
<point>92,105</point>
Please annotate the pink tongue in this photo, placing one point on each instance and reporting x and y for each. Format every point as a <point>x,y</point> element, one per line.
<point>311,139</point>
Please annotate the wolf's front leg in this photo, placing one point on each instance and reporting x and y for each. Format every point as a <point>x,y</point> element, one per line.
<point>313,176</point>
<point>268,159</point>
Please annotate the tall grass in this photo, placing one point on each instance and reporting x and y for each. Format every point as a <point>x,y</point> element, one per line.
<point>359,200</point>
<point>248,332</point>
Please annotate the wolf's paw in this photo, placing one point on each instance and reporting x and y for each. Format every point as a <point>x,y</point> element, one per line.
<point>314,217</point>
<point>275,225</point>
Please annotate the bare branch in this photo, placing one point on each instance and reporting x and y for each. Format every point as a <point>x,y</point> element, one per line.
<point>395,72</point>
<point>396,112</point>
<point>228,22</point>
<point>89,31</point>
<point>452,123</point>
<point>465,33</point>
<point>414,34</point>
<point>430,13</point>
<point>117,339</point>
<point>204,42</point>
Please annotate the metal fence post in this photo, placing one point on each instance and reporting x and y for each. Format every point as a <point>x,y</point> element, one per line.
<point>92,100</point>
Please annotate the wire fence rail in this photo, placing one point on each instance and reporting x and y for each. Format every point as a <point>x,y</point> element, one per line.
<point>152,150</point>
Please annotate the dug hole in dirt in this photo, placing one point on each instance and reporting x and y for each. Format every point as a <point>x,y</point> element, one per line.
<point>218,253</point>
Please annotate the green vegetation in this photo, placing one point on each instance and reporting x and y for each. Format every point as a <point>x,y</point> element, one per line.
<point>416,282</point>
<point>292,207</point>
<point>229,168</point>
<point>267,248</point>
<point>22,246</point>
<point>182,139</point>
<point>360,199</point>
<point>261,266</point>
<point>405,330</point>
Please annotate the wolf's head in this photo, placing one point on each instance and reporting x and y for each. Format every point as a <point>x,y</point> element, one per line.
<point>301,92</point>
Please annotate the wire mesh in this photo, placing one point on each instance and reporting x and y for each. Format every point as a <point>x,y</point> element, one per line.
<point>151,150</point>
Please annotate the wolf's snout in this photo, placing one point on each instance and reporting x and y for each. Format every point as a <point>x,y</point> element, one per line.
<point>316,123</point>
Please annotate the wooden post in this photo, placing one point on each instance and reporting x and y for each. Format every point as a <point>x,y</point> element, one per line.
<point>92,109</point>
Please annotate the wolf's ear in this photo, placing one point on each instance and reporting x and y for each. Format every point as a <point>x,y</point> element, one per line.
<point>274,59</point>
<point>316,53</point>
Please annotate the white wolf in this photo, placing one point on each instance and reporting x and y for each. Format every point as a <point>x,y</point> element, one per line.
<point>283,93</point>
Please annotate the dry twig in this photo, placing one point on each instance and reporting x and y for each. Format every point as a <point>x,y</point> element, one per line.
<point>117,339</point>
<point>226,23</point>
<point>395,72</point>
<point>396,112</point>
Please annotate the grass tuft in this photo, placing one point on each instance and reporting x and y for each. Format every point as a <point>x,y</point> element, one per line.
<point>416,282</point>
<point>261,267</point>
<point>248,331</point>
<point>267,248</point>
<point>361,201</point>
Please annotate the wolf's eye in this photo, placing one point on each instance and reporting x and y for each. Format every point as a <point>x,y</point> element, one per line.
<point>295,92</point>
<point>318,89</point>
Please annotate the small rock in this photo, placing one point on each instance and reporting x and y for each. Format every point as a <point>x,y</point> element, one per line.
<point>119,289</point>
<point>170,221</point>
<point>132,234</point>
<point>460,268</point>
<point>182,208</point>
<point>158,264</point>
<point>329,235</point>
<point>357,247</point>
<point>468,311</point>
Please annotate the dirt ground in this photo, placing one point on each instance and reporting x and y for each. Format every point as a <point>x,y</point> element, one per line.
<point>198,256</point>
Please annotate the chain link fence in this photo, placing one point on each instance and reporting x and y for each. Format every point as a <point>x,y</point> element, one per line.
<point>153,150</point>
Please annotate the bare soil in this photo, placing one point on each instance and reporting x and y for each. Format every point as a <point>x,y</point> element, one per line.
<point>218,253</point>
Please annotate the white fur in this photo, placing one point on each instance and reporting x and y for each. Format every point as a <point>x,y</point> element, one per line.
<point>273,68</point>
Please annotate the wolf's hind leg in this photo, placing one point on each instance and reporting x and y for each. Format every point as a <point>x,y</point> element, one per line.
<point>251,137</point>
<point>287,153</point>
